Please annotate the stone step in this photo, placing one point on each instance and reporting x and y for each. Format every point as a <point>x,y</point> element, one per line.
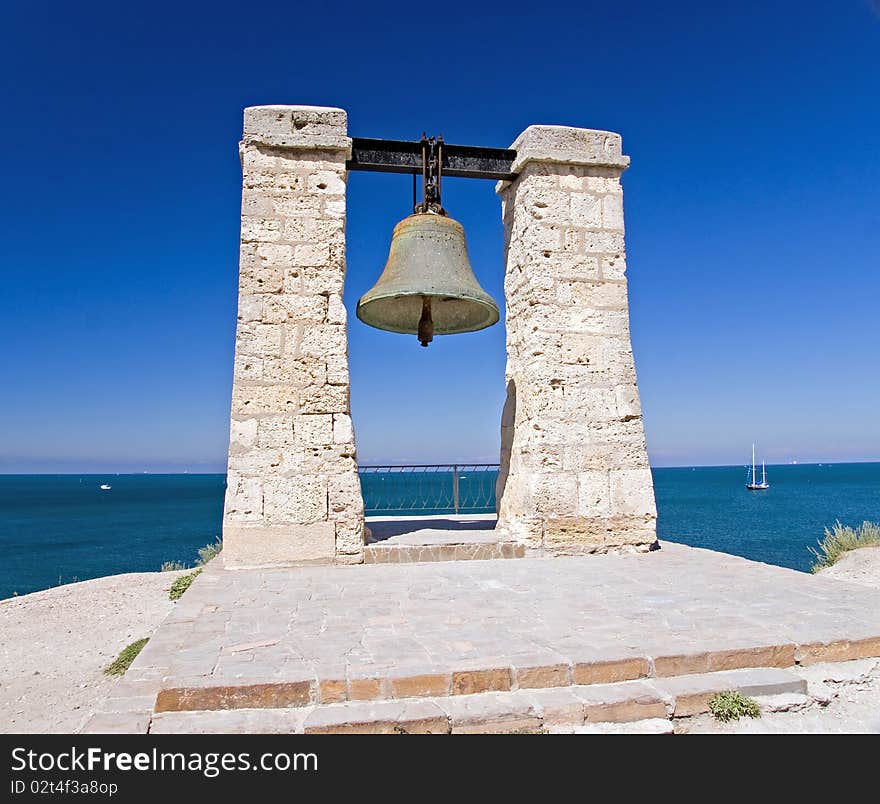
<point>527,710</point>
<point>690,694</point>
<point>263,690</point>
<point>382,553</point>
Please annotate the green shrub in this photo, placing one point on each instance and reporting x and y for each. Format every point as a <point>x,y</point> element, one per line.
<point>181,584</point>
<point>173,566</point>
<point>732,705</point>
<point>123,661</point>
<point>208,552</point>
<point>841,539</point>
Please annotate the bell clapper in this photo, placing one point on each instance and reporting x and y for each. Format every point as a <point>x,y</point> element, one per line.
<point>426,324</point>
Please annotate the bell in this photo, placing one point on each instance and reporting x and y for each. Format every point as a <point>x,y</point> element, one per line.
<point>428,286</point>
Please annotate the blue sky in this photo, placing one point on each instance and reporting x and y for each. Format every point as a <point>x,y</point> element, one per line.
<point>753,223</point>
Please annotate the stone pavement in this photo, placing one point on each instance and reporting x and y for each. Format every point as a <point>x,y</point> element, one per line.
<point>286,638</point>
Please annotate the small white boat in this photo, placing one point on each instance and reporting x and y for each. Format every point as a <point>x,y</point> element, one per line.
<point>753,484</point>
<point>105,487</point>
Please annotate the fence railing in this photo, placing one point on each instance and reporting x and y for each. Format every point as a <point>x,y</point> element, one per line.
<point>467,488</point>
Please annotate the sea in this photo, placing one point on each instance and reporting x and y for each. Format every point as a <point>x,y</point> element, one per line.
<point>57,529</point>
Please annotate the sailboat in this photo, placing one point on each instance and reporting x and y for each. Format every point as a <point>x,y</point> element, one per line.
<point>753,484</point>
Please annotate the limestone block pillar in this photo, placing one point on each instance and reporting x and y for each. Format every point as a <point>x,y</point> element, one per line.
<point>574,469</point>
<point>293,493</point>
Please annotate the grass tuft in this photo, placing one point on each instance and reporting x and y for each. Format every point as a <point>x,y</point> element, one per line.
<point>126,656</point>
<point>208,552</point>
<point>840,539</point>
<point>181,584</point>
<point>732,705</point>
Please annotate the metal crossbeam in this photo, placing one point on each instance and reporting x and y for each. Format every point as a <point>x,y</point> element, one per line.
<point>402,156</point>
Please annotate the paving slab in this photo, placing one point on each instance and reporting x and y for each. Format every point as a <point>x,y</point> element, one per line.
<point>307,635</point>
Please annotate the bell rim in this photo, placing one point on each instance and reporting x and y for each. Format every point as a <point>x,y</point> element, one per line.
<point>489,305</point>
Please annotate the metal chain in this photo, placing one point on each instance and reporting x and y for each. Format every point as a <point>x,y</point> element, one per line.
<point>432,176</point>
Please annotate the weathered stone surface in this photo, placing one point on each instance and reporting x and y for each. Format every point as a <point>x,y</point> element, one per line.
<point>632,700</point>
<point>383,717</point>
<point>353,718</point>
<point>422,686</point>
<point>491,713</point>
<point>554,675</point>
<point>270,695</point>
<point>312,128</point>
<point>605,616</point>
<point>332,691</point>
<point>605,672</point>
<point>692,693</point>
<point>261,545</point>
<point>117,723</point>
<point>841,650</point>
<point>782,702</point>
<point>231,721</point>
<point>652,726</point>
<point>293,493</point>
<point>560,706</point>
<point>364,689</point>
<point>574,469</point>
<point>730,659</point>
<point>410,553</point>
<point>763,656</point>
<point>423,717</point>
<point>850,672</point>
<point>565,146</point>
<point>467,682</point>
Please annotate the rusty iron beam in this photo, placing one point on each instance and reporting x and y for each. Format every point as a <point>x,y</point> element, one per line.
<point>402,156</point>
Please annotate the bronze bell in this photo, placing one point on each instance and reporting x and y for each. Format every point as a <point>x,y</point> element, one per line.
<point>428,286</point>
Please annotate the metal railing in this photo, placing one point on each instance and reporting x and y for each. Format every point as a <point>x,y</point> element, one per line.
<point>429,488</point>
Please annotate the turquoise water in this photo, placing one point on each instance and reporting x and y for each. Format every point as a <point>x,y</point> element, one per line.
<point>710,507</point>
<point>61,528</point>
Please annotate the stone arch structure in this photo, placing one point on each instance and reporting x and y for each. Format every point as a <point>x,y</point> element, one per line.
<point>575,475</point>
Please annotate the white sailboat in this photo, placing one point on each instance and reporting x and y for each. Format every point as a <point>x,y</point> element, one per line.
<point>753,484</point>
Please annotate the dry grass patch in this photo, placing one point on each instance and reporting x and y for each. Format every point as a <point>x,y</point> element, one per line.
<point>841,539</point>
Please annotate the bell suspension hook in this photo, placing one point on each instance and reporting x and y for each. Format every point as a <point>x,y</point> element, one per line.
<point>432,176</point>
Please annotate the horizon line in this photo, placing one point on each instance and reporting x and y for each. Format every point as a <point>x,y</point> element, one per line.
<point>441,463</point>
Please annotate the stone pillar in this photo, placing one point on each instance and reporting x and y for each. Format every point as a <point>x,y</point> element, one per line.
<point>293,493</point>
<point>574,469</point>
